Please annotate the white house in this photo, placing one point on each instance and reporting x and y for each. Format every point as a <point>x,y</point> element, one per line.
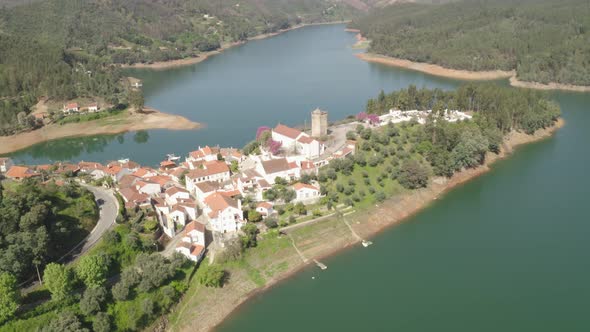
<point>265,209</point>
<point>271,169</point>
<point>203,154</point>
<point>215,171</point>
<point>306,192</point>
<point>175,194</point>
<point>224,213</point>
<point>71,108</point>
<point>148,188</point>
<point>192,244</point>
<point>92,108</point>
<point>5,164</point>
<point>297,142</point>
<point>204,189</point>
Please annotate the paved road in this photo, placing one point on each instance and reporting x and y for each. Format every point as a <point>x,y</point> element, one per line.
<point>108,214</point>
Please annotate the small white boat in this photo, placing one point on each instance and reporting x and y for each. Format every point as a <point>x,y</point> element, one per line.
<point>366,243</point>
<point>172,157</point>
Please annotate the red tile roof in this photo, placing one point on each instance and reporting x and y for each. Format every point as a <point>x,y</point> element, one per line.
<point>194,225</point>
<point>173,190</point>
<point>209,168</point>
<point>275,165</point>
<point>218,203</point>
<point>287,131</point>
<point>162,180</point>
<point>265,205</point>
<point>20,172</point>
<point>197,250</point>
<point>305,139</point>
<point>298,186</point>
<point>203,152</point>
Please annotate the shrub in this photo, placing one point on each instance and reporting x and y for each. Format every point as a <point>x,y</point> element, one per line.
<point>380,196</point>
<point>93,300</point>
<point>271,223</point>
<point>413,175</point>
<point>211,275</point>
<point>101,322</point>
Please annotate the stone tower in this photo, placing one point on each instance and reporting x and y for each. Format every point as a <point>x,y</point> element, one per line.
<point>319,123</point>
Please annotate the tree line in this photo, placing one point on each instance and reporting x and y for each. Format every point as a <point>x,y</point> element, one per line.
<point>405,156</point>
<point>544,41</point>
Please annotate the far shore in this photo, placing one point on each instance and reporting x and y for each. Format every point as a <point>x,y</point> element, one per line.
<point>437,70</point>
<point>160,65</point>
<point>213,308</point>
<point>130,121</point>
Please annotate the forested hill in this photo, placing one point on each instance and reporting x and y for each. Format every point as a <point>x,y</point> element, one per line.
<point>125,31</point>
<point>64,49</point>
<point>544,40</point>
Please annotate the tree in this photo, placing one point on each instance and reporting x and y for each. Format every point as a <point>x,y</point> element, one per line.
<point>413,175</point>
<point>249,238</point>
<point>254,216</point>
<point>211,275</point>
<point>136,99</point>
<point>93,269</point>
<point>9,297</point>
<point>67,321</point>
<point>59,280</point>
<point>101,323</point>
<point>471,149</point>
<point>288,195</point>
<point>93,300</point>
<point>271,223</point>
<point>351,135</point>
<point>300,209</point>
<point>120,291</point>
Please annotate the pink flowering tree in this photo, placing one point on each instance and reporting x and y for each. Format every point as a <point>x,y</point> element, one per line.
<point>373,119</point>
<point>274,146</point>
<point>362,116</point>
<point>261,130</point>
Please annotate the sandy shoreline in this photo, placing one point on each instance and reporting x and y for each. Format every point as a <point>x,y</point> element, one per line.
<point>216,307</point>
<point>550,86</point>
<point>205,55</point>
<point>436,69</point>
<point>468,75</point>
<point>152,119</point>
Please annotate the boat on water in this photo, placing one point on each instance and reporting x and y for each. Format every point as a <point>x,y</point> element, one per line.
<point>172,157</point>
<point>366,243</point>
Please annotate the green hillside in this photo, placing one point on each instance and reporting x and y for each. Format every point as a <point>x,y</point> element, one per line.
<point>63,49</point>
<point>544,40</point>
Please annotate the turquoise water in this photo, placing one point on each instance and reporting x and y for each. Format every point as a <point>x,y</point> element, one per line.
<point>263,82</point>
<point>505,252</point>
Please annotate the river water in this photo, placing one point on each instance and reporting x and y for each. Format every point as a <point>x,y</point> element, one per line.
<point>507,251</point>
<point>280,79</point>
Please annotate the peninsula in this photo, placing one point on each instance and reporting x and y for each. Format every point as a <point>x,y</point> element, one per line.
<point>149,118</point>
<point>286,200</point>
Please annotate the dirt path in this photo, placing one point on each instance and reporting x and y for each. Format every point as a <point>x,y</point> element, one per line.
<point>152,119</point>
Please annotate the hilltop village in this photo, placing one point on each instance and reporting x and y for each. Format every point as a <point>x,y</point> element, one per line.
<point>218,190</point>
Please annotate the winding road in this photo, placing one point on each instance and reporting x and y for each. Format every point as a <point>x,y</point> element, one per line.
<point>108,214</point>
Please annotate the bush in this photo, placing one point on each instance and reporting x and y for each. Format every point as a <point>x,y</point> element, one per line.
<point>93,300</point>
<point>380,196</point>
<point>271,223</point>
<point>102,322</point>
<point>211,275</point>
<point>413,175</point>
